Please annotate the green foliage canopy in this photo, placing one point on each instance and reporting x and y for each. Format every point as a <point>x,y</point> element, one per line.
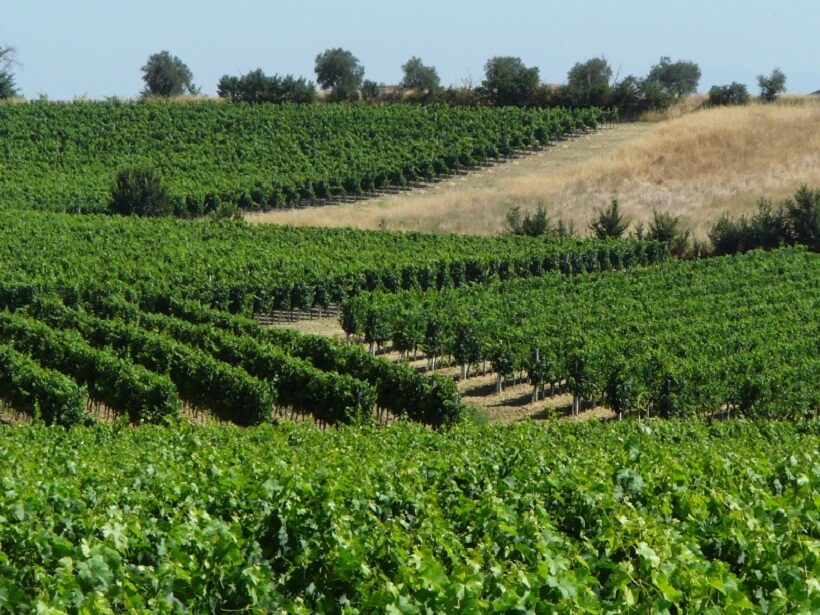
<point>589,81</point>
<point>418,76</point>
<point>256,86</point>
<point>509,82</point>
<point>733,94</point>
<point>7,59</point>
<point>609,222</point>
<point>771,85</point>
<point>677,78</point>
<point>140,191</point>
<point>211,155</point>
<point>341,72</point>
<point>568,518</point>
<point>166,75</point>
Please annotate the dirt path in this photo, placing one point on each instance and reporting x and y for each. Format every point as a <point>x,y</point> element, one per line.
<point>513,404</point>
<point>466,204</point>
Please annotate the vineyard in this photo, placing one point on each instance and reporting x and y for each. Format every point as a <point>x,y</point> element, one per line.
<point>132,317</point>
<point>162,452</point>
<point>570,518</point>
<point>64,157</point>
<point>59,361</point>
<point>731,336</point>
<point>62,363</point>
<point>239,268</point>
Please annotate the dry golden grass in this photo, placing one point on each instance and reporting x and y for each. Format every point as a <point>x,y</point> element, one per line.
<point>688,105</point>
<point>696,166</point>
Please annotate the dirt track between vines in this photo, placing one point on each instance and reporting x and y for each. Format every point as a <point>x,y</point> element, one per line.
<point>513,404</point>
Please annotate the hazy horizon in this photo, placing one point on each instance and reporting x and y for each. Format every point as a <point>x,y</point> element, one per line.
<point>95,49</point>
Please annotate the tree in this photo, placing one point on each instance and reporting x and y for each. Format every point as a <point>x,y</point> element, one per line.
<point>139,191</point>
<point>341,72</point>
<point>370,90</point>
<point>655,96</point>
<point>627,96</point>
<point>7,60</point>
<point>677,78</point>
<point>588,82</point>
<point>256,86</point>
<point>733,94</point>
<point>565,229</point>
<point>166,75</point>
<point>771,86</point>
<point>609,222</point>
<point>508,82</point>
<point>803,215</point>
<point>665,228</point>
<point>419,77</point>
<point>533,226</point>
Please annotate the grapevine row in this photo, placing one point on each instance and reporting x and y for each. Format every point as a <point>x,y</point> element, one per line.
<point>735,334</point>
<point>30,388</point>
<point>572,517</point>
<point>63,157</point>
<point>235,377</point>
<point>334,382</point>
<point>328,396</point>
<point>120,384</point>
<point>431,400</point>
<point>260,269</point>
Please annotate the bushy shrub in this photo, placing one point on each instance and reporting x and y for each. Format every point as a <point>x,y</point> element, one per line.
<point>537,224</point>
<point>733,94</point>
<point>803,217</point>
<point>533,225</point>
<point>139,191</point>
<point>795,221</point>
<point>765,229</point>
<point>609,222</point>
<point>666,229</point>
<point>256,86</point>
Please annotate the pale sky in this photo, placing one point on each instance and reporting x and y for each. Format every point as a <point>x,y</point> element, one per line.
<point>95,48</point>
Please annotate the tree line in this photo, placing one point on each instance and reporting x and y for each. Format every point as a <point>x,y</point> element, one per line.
<point>508,81</point>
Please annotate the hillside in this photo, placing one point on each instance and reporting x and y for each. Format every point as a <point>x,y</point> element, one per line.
<point>696,166</point>
<point>608,337</point>
<point>104,316</point>
<point>64,157</point>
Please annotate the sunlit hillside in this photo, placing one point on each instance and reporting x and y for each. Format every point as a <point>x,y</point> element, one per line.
<point>697,166</point>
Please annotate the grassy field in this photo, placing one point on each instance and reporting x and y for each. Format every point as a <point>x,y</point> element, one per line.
<point>696,165</point>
